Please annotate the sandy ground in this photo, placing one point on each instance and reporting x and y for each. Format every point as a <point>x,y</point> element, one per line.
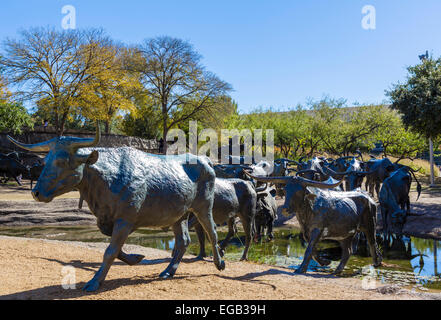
<point>35,269</point>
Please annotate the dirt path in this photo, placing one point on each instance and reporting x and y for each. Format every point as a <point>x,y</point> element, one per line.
<point>18,208</point>
<point>33,269</point>
<point>427,210</point>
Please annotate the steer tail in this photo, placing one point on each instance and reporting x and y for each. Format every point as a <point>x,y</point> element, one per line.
<point>418,184</point>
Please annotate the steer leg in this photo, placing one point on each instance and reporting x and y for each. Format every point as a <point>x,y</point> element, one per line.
<point>377,189</point>
<point>346,251</point>
<point>182,240</point>
<point>80,203</point>
<point>373,248</point>
<point>201,238</point>
<point>321,261</point>
<point>408,205</point>
<point>384,220</point>
<point>368,227</point>
<point>205,217</point>
<point>130,259</point>
<point>269,230</point>
<point>121,230</point>
<point>314,238</point>
<point>18,179</point>
<point>231,231</point>
<point>247,223</point>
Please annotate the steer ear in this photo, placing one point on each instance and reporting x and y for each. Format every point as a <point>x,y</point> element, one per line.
<point>86,159</point>
<point>311,198</point>
<point>93,158</point>
<point>273,192</point>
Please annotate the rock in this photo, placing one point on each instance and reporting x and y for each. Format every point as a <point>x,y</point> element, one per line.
<point>389,289</point>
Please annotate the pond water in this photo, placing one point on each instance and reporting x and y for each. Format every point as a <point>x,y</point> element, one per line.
<point>408,261</point>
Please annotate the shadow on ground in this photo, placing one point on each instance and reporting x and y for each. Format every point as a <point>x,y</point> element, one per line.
<point>57,292</point>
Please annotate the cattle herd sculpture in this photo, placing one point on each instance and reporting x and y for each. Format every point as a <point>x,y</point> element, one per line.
<point>127,189</point>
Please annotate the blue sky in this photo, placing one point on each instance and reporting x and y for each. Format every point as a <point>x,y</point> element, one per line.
<point>274,53</point>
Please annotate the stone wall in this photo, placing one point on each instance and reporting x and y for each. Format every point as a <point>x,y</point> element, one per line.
<point>107,140</point>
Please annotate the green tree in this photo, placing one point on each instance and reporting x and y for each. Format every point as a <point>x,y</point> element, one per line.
<point>14,117</point>
<point>107,92</point>
<point>144,121</point>
<point>419,99</point>
<point>397,141</point>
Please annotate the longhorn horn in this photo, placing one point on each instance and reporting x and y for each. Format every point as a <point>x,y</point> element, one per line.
<point>87,142</point>
<point>335,173</point>
<point>281,180</point>
<point>282,159</point>
<point>285,160</point>
<point>364,172</point>
<point>317,184</point>
<point>262,188</point>
<point>347,157</point>
<point>359,154</point>
<point>37,147</point>
<point>306,171</point>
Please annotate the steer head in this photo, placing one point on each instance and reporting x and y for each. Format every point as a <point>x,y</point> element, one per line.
<point>354,174</point>
<point>64,165</point>
<point>295,190</point>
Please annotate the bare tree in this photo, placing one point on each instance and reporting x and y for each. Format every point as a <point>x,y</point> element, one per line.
<point>50,67</point>
<point>181,87</point>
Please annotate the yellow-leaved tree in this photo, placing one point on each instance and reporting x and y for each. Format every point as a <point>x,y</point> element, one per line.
<point>5,94</point>
<point>108,93</point>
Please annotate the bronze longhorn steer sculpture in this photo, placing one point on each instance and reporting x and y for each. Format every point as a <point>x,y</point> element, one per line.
<point>127,189</point>
<point>232,198</point>
<point>326,214</point>
<point>394,197</point>
<point>266,212</point>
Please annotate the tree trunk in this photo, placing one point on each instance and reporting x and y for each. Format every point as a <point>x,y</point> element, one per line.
<point>110,113</point>
<point>164,123</point>
<point>432,169</point>
<point>164,136</point>
<point>63,122</point>
<point>57,122</point>
<point>61,132</point>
